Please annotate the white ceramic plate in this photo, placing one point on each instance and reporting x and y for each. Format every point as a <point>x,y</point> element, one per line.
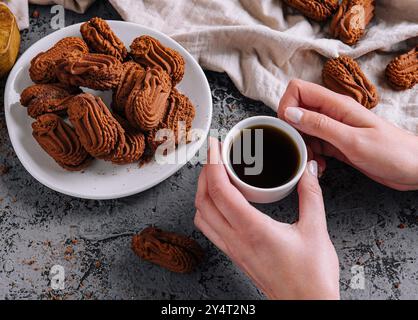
<point>102,180</point>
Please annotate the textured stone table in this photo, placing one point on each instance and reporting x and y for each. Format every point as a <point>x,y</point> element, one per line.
<point>371,226</point>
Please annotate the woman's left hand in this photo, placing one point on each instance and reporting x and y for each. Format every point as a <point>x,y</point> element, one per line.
<point>285,261</point>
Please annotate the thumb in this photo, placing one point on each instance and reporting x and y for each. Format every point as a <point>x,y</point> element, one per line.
<point>311,204</point>
<point>319,125</point>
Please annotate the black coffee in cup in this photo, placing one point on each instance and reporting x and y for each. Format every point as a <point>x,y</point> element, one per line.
<point>264,156</point>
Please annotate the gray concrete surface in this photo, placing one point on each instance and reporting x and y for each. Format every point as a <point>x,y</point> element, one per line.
<point>371,226</point>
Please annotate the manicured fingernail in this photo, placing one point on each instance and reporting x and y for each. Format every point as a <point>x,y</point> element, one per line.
<point>313,168</point>
<point>293,114</point>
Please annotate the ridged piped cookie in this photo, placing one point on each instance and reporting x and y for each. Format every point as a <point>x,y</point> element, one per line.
<point>61,142</point>
<point>169,250</point>
<point>351,19</point>
<point>343,75</point>
<point>402,72</point>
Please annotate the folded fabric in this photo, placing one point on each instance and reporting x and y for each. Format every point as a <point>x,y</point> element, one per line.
<point>79,6</point>
<point>263,44</point>
<point>20,8</point>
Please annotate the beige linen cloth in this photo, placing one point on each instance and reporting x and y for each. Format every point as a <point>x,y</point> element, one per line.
<point>20,8</point>
<point>262,44</point>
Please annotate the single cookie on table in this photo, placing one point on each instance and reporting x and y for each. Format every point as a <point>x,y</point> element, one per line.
<point>318,10</point>
<point>61,142</point>
<point>169,250</point>
<point>132,148</point>
<point>93,70</point>
<point>47,98</point>
<point>402,72</point>
<point>147,102</point>
<point>98,130</point>
<point>101,39</point>
<point>149,52</point>
<point>132,73</point>
<point>351,19</point>
<point>178,119</point>
<point>343,75</point>
<point>42,67</point>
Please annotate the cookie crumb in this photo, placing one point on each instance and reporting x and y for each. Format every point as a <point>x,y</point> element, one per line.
<point>4,169</point>
<point>36,14</point>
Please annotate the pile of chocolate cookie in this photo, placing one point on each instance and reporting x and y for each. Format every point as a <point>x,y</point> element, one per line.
<point>145,98</point>
<point>343,75</point>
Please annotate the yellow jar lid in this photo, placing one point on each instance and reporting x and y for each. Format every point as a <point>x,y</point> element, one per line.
<point>9,39</point>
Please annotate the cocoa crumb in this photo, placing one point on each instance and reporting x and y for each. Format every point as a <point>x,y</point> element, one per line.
<point>29,262</point>
<point>69,250</point>
<point>4,169</point>
<point>98,264</point>
<point>36,14</point>
<point>402,226</point>
<point>88,295</point>
<point>396,285</point>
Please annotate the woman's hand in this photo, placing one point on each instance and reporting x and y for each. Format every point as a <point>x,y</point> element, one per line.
<point>285,261</point>
<point>339,127</point>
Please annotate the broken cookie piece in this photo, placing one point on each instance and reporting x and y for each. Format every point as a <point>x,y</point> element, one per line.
<point>93,70</point>
<point>169,250</point>
<point>147,102</point>
<point>351,19</point>
<point>343,75</point>
<point>149,52</point>
<point>402,72</point>
<point>101,39</point>
<point>98,130</point>
<point>42,67</point>
<point>47,98</point>
<point>318,10</point>
<point>60,141</point>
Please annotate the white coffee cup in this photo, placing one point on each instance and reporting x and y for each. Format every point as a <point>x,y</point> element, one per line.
<point>264,195</point>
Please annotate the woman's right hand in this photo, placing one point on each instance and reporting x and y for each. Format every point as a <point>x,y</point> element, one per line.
<point>339,127</point>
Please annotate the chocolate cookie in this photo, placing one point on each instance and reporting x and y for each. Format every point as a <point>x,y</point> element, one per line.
<point>60,141</point>
<point>169,250</point>
<point>42,67</point>
<point>131,74</point>
<point>402,72</point>
<point>149,52</point>
<point>351,19</point>
<point>101,39</point>
<point>93,70</point>
<point>343,75</point>
<point>318,10</point>
<point>147,102</point>
<point>178,119</point>
<point>132,148</point>
<point>98,130</point>
<point>47,98</point>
